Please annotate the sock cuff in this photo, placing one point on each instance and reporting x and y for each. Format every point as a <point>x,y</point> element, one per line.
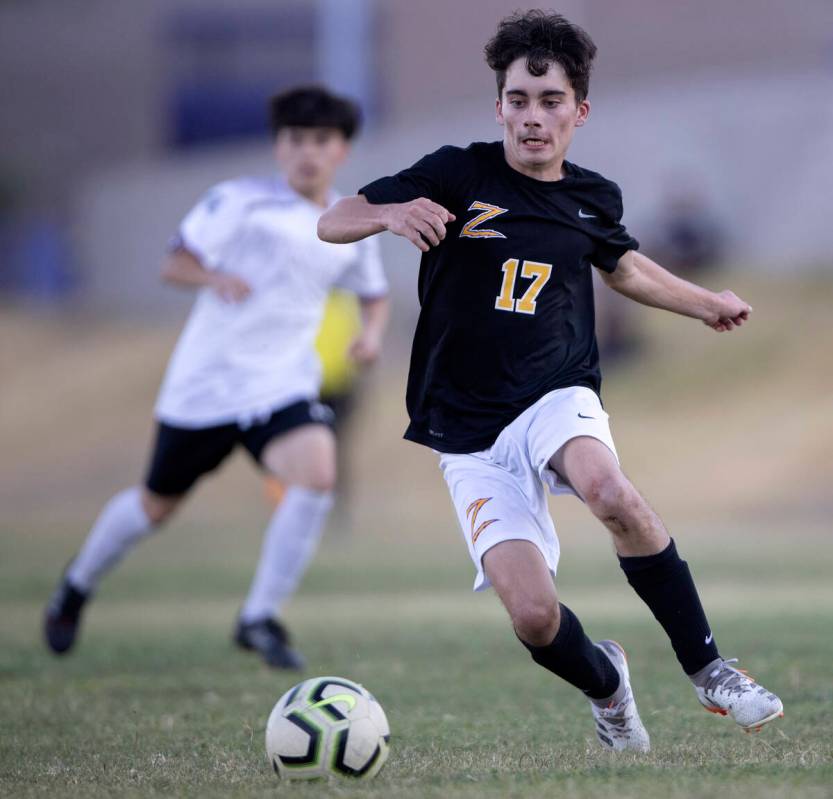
<point>130,501</point>
<point>668,558</point>
<point>565,630</point>
<point>309,496</point>
<point>566,625</point>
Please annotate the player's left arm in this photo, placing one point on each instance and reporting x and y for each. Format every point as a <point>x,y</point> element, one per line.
<point>367,345</point>
<point>638,277</point>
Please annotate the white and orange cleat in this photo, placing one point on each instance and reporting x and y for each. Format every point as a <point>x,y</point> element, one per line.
<point>618,725</point>
<point>727,691</point>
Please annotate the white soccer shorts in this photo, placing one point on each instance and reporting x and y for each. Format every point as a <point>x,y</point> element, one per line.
<point>499,493</point>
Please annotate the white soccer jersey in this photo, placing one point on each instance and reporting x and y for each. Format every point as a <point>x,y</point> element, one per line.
<point>236,362</point>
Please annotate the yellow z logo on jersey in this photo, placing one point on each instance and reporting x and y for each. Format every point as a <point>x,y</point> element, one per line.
<point>470,229</point>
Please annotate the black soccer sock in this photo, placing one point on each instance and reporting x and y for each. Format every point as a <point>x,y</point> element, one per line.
<point>576,659</point>
<point>664,583</point>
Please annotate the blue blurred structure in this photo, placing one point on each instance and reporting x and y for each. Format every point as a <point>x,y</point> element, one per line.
<point>36,259</point>
<point>227,64</point>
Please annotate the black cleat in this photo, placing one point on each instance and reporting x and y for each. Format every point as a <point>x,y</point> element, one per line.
<point>63,617</point>
<point>269,638</point>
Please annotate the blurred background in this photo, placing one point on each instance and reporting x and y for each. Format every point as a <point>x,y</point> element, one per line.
<point>715,118</point>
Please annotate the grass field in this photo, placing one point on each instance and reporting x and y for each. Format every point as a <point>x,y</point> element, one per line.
<point>156,702</point>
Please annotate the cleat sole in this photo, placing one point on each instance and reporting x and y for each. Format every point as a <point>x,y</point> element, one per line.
<point>757,726</point>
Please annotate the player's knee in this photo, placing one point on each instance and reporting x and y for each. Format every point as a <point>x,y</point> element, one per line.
<point>159,508</point>
<point>536,620</point>
<point>608,495</point>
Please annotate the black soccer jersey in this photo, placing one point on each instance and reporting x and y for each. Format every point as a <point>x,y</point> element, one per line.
<point>506,298</point>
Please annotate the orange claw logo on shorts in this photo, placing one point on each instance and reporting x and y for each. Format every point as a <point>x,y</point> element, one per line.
<point>472,511</point>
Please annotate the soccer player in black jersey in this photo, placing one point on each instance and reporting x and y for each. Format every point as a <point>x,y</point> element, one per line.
<point>504,379</point>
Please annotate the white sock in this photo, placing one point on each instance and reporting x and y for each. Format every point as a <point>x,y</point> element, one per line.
<point>289,543</point>
<point>121,524</point>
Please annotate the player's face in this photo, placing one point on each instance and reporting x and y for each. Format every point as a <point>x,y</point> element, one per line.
<point>539,115</point>
<point>310,157</point>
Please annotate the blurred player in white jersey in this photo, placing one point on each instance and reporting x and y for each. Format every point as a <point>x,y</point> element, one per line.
<point>245,371</point>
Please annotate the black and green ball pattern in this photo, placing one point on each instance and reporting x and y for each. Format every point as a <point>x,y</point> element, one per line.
<point>325,727</point>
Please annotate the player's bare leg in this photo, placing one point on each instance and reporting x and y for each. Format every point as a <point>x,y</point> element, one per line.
<point>650,561</point>
<point>305,456</point>
<point>593,471</point>
<point>520,577</point>
<point>556,640</point>
<point>159,508</point>
<point>125,520</point>
<point>304,461</point>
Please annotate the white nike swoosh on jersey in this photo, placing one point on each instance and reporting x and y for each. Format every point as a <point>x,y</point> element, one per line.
<point>709,638</point>
<point>582,215</point>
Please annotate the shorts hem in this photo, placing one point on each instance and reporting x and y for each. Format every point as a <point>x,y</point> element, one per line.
<point>552,480</point>
<point>483,583</point>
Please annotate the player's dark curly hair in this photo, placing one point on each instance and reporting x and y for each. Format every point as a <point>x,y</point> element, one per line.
<point>314,107</point>
<point>543,37</point>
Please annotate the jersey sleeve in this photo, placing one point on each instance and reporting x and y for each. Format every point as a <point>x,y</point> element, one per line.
<point>613,239</point>
<point>211,225</point>
<point>428,177</point>
<point>365,277</point>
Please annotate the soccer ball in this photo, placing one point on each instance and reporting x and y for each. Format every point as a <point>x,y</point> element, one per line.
<point>327,727</point>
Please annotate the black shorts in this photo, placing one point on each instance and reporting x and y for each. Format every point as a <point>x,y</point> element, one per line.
<point>182,455</point>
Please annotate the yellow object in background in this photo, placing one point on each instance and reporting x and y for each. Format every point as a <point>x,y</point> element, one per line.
<point>340,325</point>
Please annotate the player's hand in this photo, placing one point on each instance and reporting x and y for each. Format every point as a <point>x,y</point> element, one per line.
<point>420,221</point>
<point>731,312</point>
<point>230,288</point>
<point>366,348</point>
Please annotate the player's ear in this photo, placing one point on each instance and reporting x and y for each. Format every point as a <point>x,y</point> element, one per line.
<point>499,111</point>
<point>340,146</point>
<point>278,148</point>
<point>344,151</point>
<point>583,113</point>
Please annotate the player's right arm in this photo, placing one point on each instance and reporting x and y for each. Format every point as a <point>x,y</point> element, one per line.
<point>183,268</point>
<point>421,221</point>
<point>199,252</point>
